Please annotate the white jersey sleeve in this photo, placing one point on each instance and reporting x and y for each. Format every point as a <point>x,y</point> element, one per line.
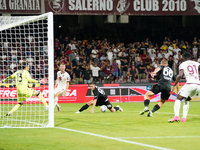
<point>191,72</point>
<point>62,79</point>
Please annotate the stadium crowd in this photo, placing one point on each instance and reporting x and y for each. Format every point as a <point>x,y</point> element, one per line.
<point>106,62</point>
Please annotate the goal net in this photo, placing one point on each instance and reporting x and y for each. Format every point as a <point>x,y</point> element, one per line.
<point>26,40</point>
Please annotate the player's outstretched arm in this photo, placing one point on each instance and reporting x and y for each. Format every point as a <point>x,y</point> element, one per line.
<point>94,103</point>
<point>10,77</point>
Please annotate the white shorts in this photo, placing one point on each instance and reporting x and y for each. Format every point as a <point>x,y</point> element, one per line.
<point>59,90</point>
<point>189,89</point>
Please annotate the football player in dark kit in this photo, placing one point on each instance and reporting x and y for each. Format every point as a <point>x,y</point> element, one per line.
<point>166,75</point>
<point>100,98</point>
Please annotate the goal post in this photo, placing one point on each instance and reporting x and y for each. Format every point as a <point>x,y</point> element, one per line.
<point>27,39</point>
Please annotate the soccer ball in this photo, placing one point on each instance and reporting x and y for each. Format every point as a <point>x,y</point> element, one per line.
<point>103,108</point>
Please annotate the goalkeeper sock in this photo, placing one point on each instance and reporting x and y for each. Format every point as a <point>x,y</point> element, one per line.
<point>42,99</point>
<point>155,108</point>
<point>116,108</point>
<point>14,109</point>
<point>84,107</point>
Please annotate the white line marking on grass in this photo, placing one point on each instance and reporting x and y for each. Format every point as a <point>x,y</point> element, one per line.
<point>161,137</point>
<point>114,138</point>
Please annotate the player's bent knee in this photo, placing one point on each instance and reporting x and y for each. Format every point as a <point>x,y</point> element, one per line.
<point>20,103</point>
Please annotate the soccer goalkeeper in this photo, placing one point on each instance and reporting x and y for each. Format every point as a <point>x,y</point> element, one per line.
<point>22,77</point>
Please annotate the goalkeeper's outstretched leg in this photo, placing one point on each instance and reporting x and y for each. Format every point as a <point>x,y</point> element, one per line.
<point>39,94</point>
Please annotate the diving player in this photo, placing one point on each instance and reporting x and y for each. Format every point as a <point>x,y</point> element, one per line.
<point>100,98</point>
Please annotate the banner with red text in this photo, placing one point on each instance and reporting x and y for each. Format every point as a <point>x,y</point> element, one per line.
<point>82,93</point>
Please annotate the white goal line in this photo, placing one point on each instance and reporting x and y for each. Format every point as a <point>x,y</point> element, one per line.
<point>114,138</point>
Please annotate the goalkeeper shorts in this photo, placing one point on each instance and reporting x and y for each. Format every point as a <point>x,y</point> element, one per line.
<point>21,96</point>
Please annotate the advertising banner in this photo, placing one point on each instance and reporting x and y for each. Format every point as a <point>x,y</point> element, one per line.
<point>82,94</point>
<point>20,6</point>
<point>123,7</point>
<point>102,7</point>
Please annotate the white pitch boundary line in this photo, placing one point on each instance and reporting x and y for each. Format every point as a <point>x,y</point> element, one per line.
<point>161,137</point>
<point>114,138</point>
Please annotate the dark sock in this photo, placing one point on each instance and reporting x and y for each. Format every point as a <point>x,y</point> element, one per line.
<point>84,107</point>
<point>155,108</point>
<point>146,102</point>
<point>116,108</point>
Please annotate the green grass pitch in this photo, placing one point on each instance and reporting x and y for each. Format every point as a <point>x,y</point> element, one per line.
<point>127,125</point>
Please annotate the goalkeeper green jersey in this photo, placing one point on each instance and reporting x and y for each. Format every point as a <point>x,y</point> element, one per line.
<point>22,77</point>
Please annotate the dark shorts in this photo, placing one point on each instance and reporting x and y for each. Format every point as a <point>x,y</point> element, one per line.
<point>107,103</point>
<point>165,91</point>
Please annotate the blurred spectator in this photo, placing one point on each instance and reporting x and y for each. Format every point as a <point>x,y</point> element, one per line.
<point>110,55</point>
<point>96,60</point>
<point>148,60</point>
<point>171,62</point>
<point>95,72</point>
<point>88,51</point>
<point>144,56</point>
<point>102,73</point>
<point>164,47</point>
<point>72,55</point>
<point>100,53</point>
<point>108,73</point>
<point>77,75</point>
<point>118,61</point>
<point>72,45</point>
<point>29,60</point>
<point>103,57</point>
<point>194,42</point>
<point>69,70</point>
<point>74,64</point>
<point>65,43</point>
<point>124,69</point>
<point>133,74</point>
<point>160,55</point>
<point>81,56</point>
<point>152,55</point>
<point>107,61</point>
<point>115,69</point>
<point>195,51</point>
<point>137,59</point>
<point>87,76</point>
<point>171,49</point>
<point>141,70</point>
<point>150,69</point>
<point>94,52</point>
<point>22,60</point>
<point>57,47</point>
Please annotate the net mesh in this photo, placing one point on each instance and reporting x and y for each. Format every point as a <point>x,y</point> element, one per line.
<point>23,43</point>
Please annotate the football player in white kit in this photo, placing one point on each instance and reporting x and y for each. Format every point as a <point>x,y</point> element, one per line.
<point>61,85</point>
<point>190,89</point>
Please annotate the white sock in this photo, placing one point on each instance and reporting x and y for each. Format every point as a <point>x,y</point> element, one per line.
<point>56,101</point>
<point>185,109</point>
<point>177,106</point>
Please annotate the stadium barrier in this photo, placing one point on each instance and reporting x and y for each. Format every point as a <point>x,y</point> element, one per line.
<point>81,93</point>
